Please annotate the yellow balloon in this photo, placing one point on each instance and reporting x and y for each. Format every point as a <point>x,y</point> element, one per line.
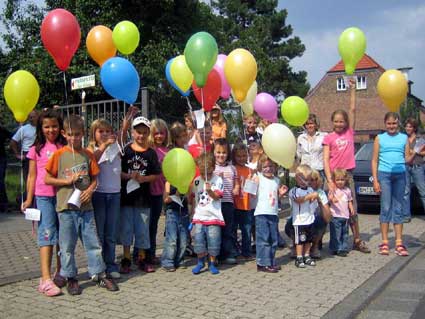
<point>180,73</point>
<point>279,144</point>
<point>240,69</point>
<point>21,92</point>
<point>392,88</point>
<point>179,169</point>
<point>248,104</point>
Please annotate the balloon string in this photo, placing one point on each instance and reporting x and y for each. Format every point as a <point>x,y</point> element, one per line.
<point>245,141</point>
<point>64,86</point>
<point>205,145</point>
<point>22,165</point>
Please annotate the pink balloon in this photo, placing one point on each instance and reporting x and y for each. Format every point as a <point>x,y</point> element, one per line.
<point>219,67</point>
<point>266,107</point>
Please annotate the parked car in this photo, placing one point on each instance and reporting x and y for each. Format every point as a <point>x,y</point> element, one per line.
<point>367,199</point>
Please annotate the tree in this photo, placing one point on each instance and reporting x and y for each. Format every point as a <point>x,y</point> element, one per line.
<point>260,28</point>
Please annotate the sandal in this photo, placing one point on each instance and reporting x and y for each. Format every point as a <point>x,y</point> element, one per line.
<point>401,250</point>
<point>384,249</point>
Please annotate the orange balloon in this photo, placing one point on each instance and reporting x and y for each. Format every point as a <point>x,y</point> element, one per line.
<point>392,88</point>
<point>100,45</point>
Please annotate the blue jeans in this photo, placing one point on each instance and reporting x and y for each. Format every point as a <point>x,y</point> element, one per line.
<point>228,239</point>
<point>176,237</point>
<point>207,239</point>
<point>74,224</point>
<point>106,213</point>
<point>266,239</point>
<point>339,234</point>
<point>244,220</point>
<point>416,174</point>
<point>134,222</point>
<point>156,208</point>
<point>48,226</point>
<point>392,189</point>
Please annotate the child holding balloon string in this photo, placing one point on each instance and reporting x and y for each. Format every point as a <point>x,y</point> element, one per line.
<point>159,140</point>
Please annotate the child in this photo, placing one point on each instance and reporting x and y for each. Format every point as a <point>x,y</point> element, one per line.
<point>74,169</point>
<point>231,187</point>
<point>250,122</point>
<point>219,126</point>
<point>207,191</point>
<point>341,208</point>
<point>48,140</point>
<point>139,168</point>
<point>106,198</point>
<point>159,140</point>
<point>302,215</point>
<point>266,214</point>
<point>338,152</point>
<point>178,134</point>
<point>244,216</point>
<point>195,145</point>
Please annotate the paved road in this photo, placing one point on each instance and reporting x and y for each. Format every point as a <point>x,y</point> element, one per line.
<point>238,292</point>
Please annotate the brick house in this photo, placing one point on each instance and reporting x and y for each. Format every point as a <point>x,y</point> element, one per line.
<point>331,94</point>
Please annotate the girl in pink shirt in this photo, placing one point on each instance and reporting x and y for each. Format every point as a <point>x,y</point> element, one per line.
<point>338,152</point>
<point>48,140</point>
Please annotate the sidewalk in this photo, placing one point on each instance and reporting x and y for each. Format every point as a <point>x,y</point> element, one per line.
<point>237,292</point>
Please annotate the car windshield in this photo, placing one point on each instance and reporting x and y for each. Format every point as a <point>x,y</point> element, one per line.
<point>365,152</point>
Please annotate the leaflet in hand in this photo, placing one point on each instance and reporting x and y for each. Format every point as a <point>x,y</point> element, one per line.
<point>420,143</point>
<point>110,153</point>
<point>32,214</point>
<point>177,199</point>
<point>250,187</point>
<point>132,185</point>
<point>200,118</point>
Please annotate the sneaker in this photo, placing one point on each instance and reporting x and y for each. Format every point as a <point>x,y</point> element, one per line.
<point>73,287</point>
<point>361,246</point>
<point>212,268</point>
<point>48,288</point>
<point>277,267</point>
<point>59,280</point>
<point>230,261</point>
<point>146,267</point>
<point>199,266</point>
<point>113,275</point>
<point>109,284</point>
<point>342,253</point>
<point>125,266</point>
<point>267,269</point>
<point>299,262</point>
<point>169,269</point>
<point>309,261</point>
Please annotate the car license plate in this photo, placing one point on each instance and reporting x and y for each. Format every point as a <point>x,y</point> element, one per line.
<point>366,190</point>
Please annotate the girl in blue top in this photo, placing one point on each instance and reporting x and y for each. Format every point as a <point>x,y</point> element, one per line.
<point>390,153</point>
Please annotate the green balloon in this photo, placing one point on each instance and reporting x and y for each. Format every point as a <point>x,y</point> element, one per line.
<point>201,54</point>
<point>179,169</point>
<point>351,47</point>
<point>294,110</point>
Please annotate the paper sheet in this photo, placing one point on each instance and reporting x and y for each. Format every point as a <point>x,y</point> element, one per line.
<point>176,199</point>
<point>110,153</point>
<point>250,187</point>
<point>200,118</point>
<point>132,185</point>
<point>32,214</point>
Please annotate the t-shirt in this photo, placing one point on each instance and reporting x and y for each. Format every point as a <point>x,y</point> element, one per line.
<point>242,199</point>
<point>302,214</point>
<point>391,153</point>
<point>268,198</point>
<point>109,178</point>
<point>41,189</point>
<point>146,163</point>
<point>65,162</point>
<point>341,149</point>
<point>340,209</point>
<point>323,199</point>
<point>207,210</point>
<point>4,135</point>
<point>25,135</point>
<point>219,130</point>
<point>157,187</point>
<point>310,149</point>
<point>228,174</point>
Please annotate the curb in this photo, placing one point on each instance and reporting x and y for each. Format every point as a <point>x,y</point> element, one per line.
<point>362,296</point>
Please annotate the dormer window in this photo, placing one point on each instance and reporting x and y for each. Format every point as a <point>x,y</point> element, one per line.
<point>340,84</point>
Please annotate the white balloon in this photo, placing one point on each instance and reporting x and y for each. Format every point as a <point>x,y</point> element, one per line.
<point>279,144</point>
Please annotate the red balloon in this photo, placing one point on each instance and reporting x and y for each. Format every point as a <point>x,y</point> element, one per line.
<point>61,35</point>
<point>210,92</point>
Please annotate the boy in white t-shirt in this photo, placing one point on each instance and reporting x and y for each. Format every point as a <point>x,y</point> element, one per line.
<point>300,198</point>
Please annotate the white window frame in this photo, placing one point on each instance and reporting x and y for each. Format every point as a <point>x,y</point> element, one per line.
<point>361,82</point>
<point>340,84</point>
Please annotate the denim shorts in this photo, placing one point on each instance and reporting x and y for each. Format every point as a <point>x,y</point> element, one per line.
<point>134,223</point>
<point>207,239</point>
<point>48,226</point>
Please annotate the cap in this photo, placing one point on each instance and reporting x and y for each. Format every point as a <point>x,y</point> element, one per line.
<point>141,120</point>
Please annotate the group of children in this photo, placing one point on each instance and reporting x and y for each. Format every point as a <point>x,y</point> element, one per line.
<point>122,193</point>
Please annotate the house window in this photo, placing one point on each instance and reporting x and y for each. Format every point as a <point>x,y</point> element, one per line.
<point>340,84</point>
<point>361,83</point>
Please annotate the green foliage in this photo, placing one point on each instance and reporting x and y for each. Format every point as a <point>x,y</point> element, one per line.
<point>164,26</point>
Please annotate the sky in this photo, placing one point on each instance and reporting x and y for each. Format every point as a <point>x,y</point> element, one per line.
<point>395,34</point>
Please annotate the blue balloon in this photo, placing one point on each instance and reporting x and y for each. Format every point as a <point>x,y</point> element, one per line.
<point>170,79</point>
<point>120,79</point>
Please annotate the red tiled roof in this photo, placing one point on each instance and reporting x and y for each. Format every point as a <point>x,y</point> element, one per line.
<point>365,63</point>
